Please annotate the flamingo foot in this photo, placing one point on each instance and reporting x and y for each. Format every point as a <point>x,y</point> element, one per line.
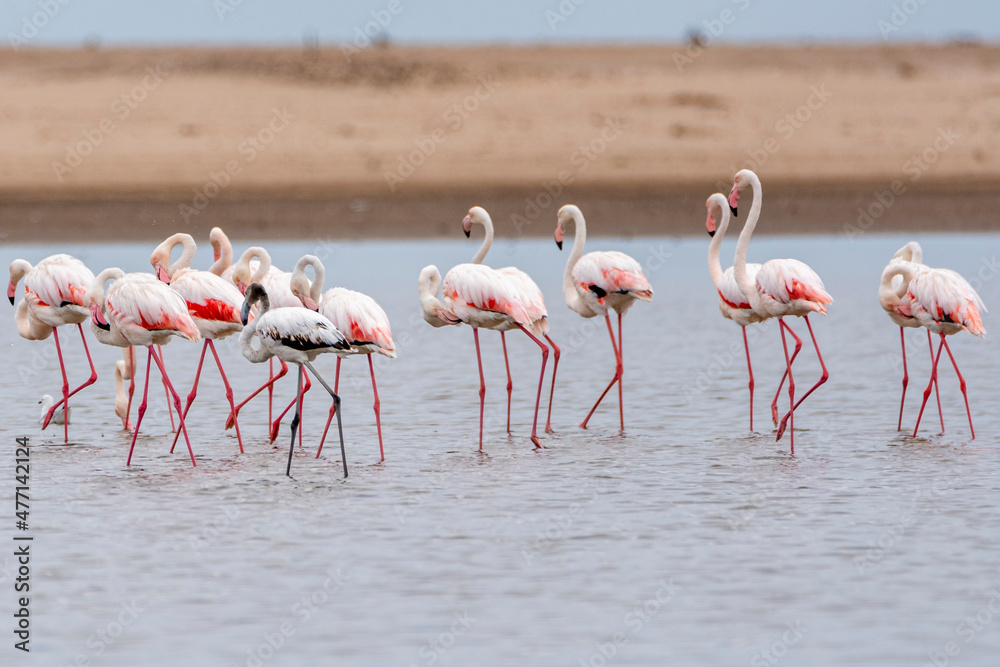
<point>548,429</point>
<point>275,427</point>
<point>538,443</point>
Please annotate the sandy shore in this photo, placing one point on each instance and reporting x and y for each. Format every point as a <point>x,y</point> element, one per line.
<point>401,141</point>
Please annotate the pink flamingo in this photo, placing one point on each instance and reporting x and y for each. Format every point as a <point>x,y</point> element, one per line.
<point>53,296</point>
<point>213,303</point>
<point>358,317</point>
<point>945,303</point>
<point>138,309</point>
<point>890,292</point>
<point>480,297</point>
<point>782,288</point>
<point>596,283</point>
<point>531,296</point>
<point>733,305</point>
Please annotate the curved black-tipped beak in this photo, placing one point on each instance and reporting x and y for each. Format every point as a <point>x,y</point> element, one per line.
<point>559,244</point>
<point>733,209</point>
<point>11,300</point>
<point>712,233</point>
<point>245,313</point>
<point>468,233</point>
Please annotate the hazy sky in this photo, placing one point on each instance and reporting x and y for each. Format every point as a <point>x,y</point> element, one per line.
<point>465,21</point>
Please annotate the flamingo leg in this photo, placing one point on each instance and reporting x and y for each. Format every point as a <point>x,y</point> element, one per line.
<point>482,387</point>
<point>91,380</point>
<point>65,385</point>
<point>774,403</point>
<point>229,391</point>
<point>142,408</point>
<point>555,367</point>
<point>166,391</point>
<point>927,392</point>
<point>961,383</point>
<point>231,420</point>
<point>336,403</point>
<point>510,382</point>
<point>276,425</point>
<point>621,372</point>
<point>618,371</point>
<point>333,409</point>
<point>131,380</point>
<point>750,384</point>
<point>937,390</point>
<point>791,382</point>
<point>177,402</point>
<point>822,378</point>
<point>295,422</point>
<point>193,393</point>
<point>270,388</point>
<point>541,381</point>
<point>906,376</point>
<point>377,407</point>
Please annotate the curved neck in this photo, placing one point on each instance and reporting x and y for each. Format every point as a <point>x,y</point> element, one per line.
<point>480,255</point>
<point>18,269</point>
<point>252,355</point>
<point>223,251</point>
<point>886,292</point>
<point>28,327</point>
<point>714,265</point>
<point>184,261</point>
<point>743,281</point>
<point>263,266</point>
<point>319,274</point>
<point>579,239</point>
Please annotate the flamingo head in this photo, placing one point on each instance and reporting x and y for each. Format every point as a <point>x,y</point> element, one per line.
<point>161,273</point>
<point>216,237</point>
<point>97,317</point>
<point>254,293</point>
<point>241,276</point>
<point>476,215</point>
<point>11,290</point>
<point>566,215</point>
<point>742,179</point>
<point>300,290</point>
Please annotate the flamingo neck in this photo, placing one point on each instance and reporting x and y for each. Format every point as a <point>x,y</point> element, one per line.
<point>187,256</point>
<point>18,269</point>
<point>252,355</point>
<point>747,286</point>
<point>714,265</point>
<point>319,275</point>
<point>224,251</point>
<point>487,223</point>
<point>263,265</point>
<point>572,296</point>
<point>886,293</point>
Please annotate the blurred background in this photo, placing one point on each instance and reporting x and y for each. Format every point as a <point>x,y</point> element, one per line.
<point>389,118</point>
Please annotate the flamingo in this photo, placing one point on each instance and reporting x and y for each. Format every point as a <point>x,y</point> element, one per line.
<point>358,317</point>
<point>222,251</point>
<point>213,304</point>
<point>782,288</point>
<point>479,296</point>
<point>596,283</point>
<point>253,266</point>
<point>53,296</point>
<point>296,335</point>
<point>890,292</point>
<point>944,303</point>
<point>733,305</point>
<point>138,309</point>
<point>531,296</point>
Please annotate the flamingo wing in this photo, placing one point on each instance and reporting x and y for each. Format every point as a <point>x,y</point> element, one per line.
<point>475,286</point>
<point>946,297</point>
<point>788,280</point>
<point>604,273</point>
<point>208,297</point>
<point>140,300</point>
<point>730,292</point>
<point>359,318</point>
<point>528,291</point>
<point>300,329</point>
<point>58,280</point>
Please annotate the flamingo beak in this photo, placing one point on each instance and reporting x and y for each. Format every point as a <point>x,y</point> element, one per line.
<point>242,288</point>
<point>559,236</point>
<point>710,224</point>
<point>245,313</point>
<point>11,290</point>
<point>161,274</point>
<point>467,226</point>
<point>98,318</point>
<point>308,302</point>
<point>734,200</point>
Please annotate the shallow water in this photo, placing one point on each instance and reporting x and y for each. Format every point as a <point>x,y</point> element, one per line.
<point>687,540</point>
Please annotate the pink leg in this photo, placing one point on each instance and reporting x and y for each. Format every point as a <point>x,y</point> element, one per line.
<point>333,409</point>
<point>65,386</point>
<point>377,407</point>
<point>194,392</point>
<point>791,381</point>
<point>276,424</point>
<point>774,403</point>
<point>482,387</point>
<point>229,392</point>
<point>822,378</point>
<point>746,346</point>
<point>937,391</point>
<point>177,403</point>
<point>166,391</point>
<point>510,382</point>
<point>906,376</point>
<point>131,380</point>
<point>618,371</point>
<point>91,380</point>
<point>927,392</point>
<point>231,420</point>
<point>555,367</point>
<point>541,381</point>
<point>621,372</point>
<point>142,407</point>
<point>961,384</point>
